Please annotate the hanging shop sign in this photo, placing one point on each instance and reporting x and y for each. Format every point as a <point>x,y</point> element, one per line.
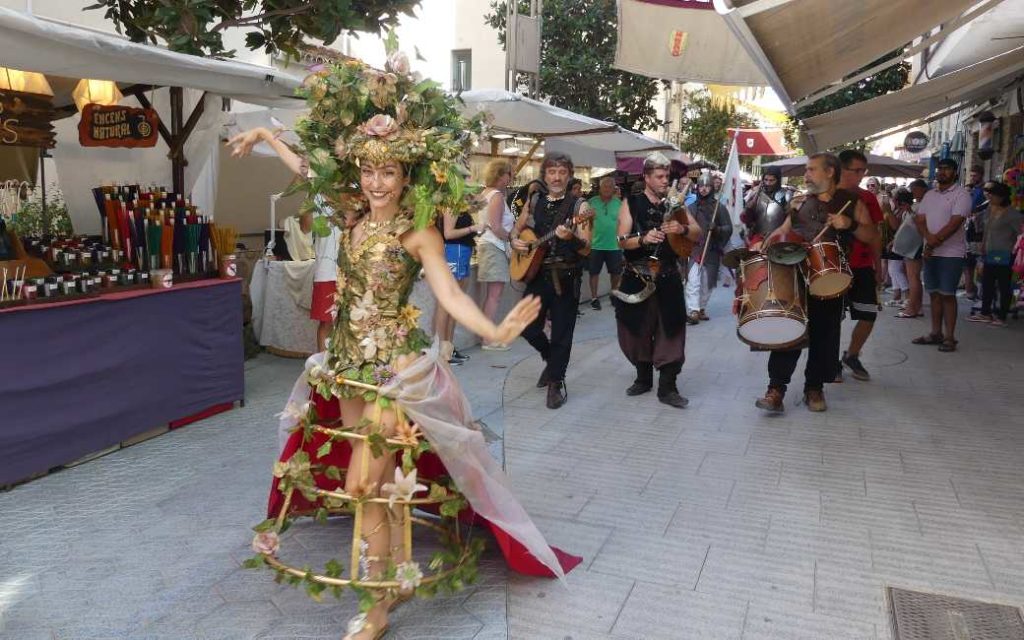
<point>117,126</point>
<point>915,142</point>
<point>25,120</point>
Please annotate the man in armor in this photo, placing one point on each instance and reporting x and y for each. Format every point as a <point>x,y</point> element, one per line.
<point>843,217</point>
<point>652,321</point>
<point>702,275</point>
<point>765,206</point>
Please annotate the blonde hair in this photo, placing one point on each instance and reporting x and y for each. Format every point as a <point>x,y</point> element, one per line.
<point>494,170</point>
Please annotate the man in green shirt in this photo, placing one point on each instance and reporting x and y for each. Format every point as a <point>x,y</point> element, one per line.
<point>605,247</point>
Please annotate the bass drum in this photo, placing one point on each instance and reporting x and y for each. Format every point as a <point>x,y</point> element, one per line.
<point>772,305</point>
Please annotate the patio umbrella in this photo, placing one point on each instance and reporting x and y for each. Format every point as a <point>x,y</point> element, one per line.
<point>603,149</point>
<point>516,114</point>
<point>878,166</point>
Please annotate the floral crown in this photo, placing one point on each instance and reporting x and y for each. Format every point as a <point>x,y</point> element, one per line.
<point>361,114</point>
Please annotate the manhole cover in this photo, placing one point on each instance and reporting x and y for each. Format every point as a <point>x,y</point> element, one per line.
<point>927,616</point>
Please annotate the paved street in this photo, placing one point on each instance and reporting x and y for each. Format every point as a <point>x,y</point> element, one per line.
<point>711,522</point>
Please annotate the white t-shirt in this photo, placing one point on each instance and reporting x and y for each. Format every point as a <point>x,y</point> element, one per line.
<point>507,220</point>
<point>938,207</point>
<point>326,247</point>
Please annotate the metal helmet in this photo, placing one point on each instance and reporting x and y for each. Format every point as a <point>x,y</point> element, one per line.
<point>705,179</point>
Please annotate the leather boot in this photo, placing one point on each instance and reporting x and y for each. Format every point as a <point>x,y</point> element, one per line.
<point>772,400</point>
<point>557,394</point>
<point>667,392</point>
<point>644,379</point>
<point>815,400</point>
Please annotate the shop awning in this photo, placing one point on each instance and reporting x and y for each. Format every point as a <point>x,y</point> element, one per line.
<point>602,149</point>
<point>760,142</point>
<point>516,114</point>
<point>683,40</point>
<point>878,166</point>
<point>916,104</point>
<point>802,46</point>
<point>31,43</point>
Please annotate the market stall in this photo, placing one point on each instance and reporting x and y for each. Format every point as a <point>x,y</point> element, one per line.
<point>131,324</point>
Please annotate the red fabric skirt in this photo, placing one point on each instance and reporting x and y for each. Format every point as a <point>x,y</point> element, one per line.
<point>323,301</point>
<point>429,467</point>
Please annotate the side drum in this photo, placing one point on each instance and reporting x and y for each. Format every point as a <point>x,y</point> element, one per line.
<point>829,275</point>
<point>773,311</point>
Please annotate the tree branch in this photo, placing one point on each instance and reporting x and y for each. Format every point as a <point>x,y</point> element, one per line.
<point>252,20</point>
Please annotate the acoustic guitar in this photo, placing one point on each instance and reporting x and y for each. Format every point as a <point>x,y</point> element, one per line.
<point>525,265</point>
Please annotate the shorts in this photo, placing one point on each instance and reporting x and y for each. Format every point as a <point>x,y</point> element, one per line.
<point>458,259</point>
<point>862,298</point>
<point>942,274</point>
<point>492,263</point>
<point>323,301</point>
<point>611,258</point>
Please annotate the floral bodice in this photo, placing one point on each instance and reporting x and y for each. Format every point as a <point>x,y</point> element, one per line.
<point>374,324</point>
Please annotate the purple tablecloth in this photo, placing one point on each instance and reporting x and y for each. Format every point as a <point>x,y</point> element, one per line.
<point>79,378</point>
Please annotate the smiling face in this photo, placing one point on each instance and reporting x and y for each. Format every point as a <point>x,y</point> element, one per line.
<point>382,184</point>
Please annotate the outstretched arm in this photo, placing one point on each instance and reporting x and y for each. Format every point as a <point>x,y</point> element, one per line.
<point>242,144</point>
<point>427,247</point>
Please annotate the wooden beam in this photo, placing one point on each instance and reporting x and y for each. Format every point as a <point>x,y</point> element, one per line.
<point>190,124</point>
<point>528,157</point>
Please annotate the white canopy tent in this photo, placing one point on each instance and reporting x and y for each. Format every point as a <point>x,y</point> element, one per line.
<point>31,43</point>
<point>878,166</point>
<point>516,114</point>
<point>602,149</point>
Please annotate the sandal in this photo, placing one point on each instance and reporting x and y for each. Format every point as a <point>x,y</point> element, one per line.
<point>904,314</point>
<point>931,339</point>
<point>947,346</point>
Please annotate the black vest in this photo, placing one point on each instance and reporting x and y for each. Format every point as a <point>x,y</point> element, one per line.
<point>646,216</point>
<point>548,215</point>
<point>812,216</point>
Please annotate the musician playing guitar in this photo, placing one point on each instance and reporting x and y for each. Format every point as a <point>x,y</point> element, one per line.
<point>652,330</point>
<point>557,281</point>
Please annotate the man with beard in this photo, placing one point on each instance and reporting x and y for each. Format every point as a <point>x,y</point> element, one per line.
<point>557,283</point>
<point>702,275</point>
<point>765,207</point>
<point>651,321</point>
<point>844,217</point>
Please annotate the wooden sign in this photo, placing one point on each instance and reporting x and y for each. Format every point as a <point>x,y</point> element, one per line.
<point>117,126</point>
<point>25,120</point>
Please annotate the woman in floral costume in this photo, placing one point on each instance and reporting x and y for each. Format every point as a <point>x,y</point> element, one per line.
<point>388,151</point>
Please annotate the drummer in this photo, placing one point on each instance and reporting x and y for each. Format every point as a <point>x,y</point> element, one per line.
<point>839,216</point>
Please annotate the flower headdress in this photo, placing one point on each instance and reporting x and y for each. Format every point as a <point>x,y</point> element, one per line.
<point>358,114</point>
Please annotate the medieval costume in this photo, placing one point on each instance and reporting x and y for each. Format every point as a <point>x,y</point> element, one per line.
<point>765,208</point>
<point>706,259</point>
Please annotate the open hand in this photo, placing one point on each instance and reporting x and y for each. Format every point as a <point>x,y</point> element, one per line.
<point>242,144</point>
<point>518,318</point>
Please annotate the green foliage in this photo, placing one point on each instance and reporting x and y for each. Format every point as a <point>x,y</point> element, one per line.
<point>29,220</point>
<point>197,26</point>
<point>577,51</point>
<point>889,79</point>
<point>704,125</point>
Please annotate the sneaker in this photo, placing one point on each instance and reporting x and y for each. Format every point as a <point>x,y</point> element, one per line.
<point>497,346</point>
<point>857,370</point>
<point>595,304</point>
<point>815,400</point>
<point>452,362</point>
<point>693,318</point>
<point>977,317</point>
<point>772,400</point>
<point>456,355</point>
<point>996,322</point>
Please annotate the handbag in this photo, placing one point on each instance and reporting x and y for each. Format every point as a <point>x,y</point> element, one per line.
<point>997,258</point>
<point>907,241</point>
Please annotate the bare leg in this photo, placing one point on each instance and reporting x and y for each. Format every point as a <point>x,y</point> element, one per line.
<point>860,334</point>
<point>616,278</point>
<point>949,316</point>
<point>593,286</point>
<point>323,331</point>
<point>375,530</point>
<point>915,299</point>
<point>936,304</point>
<point>494,290</point>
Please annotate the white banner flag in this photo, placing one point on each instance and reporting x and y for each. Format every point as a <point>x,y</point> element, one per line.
<point>732,187</point>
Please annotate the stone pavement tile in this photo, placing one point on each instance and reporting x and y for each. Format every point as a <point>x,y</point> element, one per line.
<point>487,604</point>
<point>658,612</point>
<point>749,468</point>
<point>644,513</point>
<point>945,518</point>
<point>802,503</point>
<point>712,441</point>
<point>722,527</point>
<point>587,604</point>
<point>766,621</point>
<point>650,557</point>
<point>781,443</point>
<point>439,618</point>
<point>526,463</point>
<point>944,566</point>
<point>241,620</point>
<point>1005,564</point>
<point>548,495</point>
<point>493,633</point>
<point>793,536</point>
<point>671,484</point>
<point>572,536</point>
<point>745,574</point>
<point>873,512</point>
<point>838,479</point>
<point>26,634</point>
<point>849,591</point>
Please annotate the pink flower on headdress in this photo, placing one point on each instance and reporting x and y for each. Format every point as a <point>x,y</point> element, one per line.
<point>381,87</point>
<point>340,147</point>
<point>398,63</point>
<point>402,112</point>
<point>380,126</point>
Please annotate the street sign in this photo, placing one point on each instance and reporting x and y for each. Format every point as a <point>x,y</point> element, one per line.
<point>117,126</point>
<point>915,142</point>
<point>25,120</point>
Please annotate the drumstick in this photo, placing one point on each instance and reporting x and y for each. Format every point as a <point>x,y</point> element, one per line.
<point>829,226</point>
